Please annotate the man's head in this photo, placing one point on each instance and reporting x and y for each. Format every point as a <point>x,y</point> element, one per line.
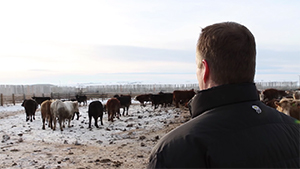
<point>225,54</point>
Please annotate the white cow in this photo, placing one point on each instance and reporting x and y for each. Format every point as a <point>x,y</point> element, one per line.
<point>63,111</point>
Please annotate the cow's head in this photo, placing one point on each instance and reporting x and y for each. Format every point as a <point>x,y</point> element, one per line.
<point>284,105</point>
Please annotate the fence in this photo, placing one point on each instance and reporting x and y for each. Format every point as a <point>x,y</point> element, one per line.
<point>12,94</point>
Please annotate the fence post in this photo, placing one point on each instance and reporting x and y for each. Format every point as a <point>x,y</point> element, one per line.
<point>1,99</point>
<point>13,99</point>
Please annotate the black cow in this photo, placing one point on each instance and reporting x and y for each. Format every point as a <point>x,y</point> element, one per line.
<point>143,98</point>
<point>95,110</point>
<point>163,99</point>
<point>81,99</point>
<point>125,101</point>
<point>157,100</point>
<point>30,106</point>
<point>40,100</point>
<point>167,98</point>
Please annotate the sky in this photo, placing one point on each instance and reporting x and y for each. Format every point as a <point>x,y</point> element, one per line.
<point>136,41</point>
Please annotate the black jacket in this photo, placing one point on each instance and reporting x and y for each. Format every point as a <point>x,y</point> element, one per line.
<point>230,128</point>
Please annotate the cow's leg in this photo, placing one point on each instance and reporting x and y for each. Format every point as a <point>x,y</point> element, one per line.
<point>124,111</point>
<point>27,116</point>
<point>77,114</point>
<point>108,114</point>
<point>43,119</point>
<point>54,123</point>
<point>101,120</point>
<point>96,119</point>
<point>69,122</point>
<point>112,116</point>
<point>50,122</point>
<point>61,125</point>
<point>63,122</point>
<point>118,113</point>
<point>90,121</point>
<point>30,118</point>
<point>127,110</point>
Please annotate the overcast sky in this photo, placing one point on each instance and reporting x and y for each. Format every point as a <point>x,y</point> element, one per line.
<point>144,41</point>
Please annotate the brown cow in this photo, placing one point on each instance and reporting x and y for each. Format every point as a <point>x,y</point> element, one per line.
<point>46,113</point>
<point>113,108</point>
<point>270,94</point>
<point>143,98</point>
<point>271,103</point>
<point>182,96</point>
<point>290,107</point>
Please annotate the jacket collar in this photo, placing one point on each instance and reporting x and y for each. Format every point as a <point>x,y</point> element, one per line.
<point>222,95</point>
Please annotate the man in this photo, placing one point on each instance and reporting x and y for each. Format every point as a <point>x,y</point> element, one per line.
<point>230,128</point>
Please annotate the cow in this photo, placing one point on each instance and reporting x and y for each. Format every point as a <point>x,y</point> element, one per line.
<point>125,101</point>
<point>163,99</point>
<point>290,107</point>
<point>95,110</point>
<point>296,94</point>
<point>63,111</point>
<point>167,98</point>
<point>271,103</point>
<point>143,98</point>
<point>182,96</point>
<point>81,99</point>
<point>271,93</point>
<point>30,106</point>
<point>157,99</point>
<point>113,106</point>
<point>40,100</point>
<point>46,113</point>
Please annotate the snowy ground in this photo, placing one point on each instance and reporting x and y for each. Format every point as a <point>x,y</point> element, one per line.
<point>124,143</point>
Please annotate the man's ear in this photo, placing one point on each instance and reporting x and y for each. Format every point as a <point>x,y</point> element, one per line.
<point>206,70</point>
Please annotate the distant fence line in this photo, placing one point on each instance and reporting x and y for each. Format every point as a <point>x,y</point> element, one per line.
<point>277,85</point>
<point>17,93</point>
<point>39,90</point>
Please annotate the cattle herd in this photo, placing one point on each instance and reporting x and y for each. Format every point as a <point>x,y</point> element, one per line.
<point>61,111</point>
<point>287,102</point>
